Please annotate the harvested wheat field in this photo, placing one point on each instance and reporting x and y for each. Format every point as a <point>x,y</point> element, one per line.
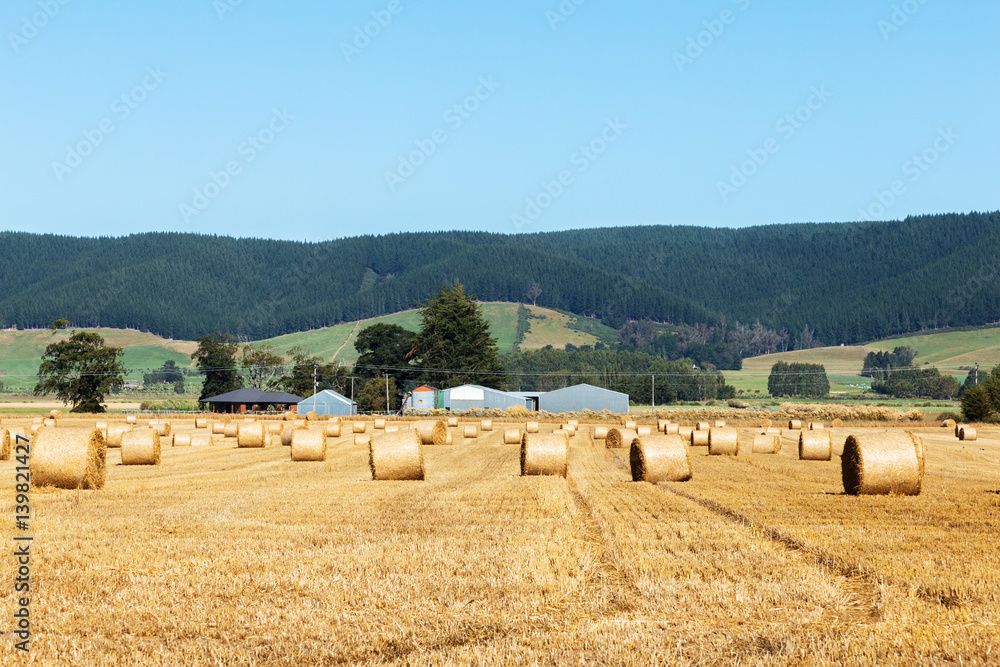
<point>222,555</point>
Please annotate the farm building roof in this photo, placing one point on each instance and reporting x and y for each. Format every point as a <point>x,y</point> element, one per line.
<point>254,397</point>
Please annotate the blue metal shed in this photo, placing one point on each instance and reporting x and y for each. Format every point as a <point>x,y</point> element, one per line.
<point>475,397</point>
<point>328,402</point>
<point>583,397</point>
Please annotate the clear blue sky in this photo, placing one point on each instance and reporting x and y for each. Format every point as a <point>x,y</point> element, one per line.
<point>310,118</point>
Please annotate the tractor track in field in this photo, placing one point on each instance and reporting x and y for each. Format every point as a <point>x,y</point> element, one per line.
<point>860,586</point>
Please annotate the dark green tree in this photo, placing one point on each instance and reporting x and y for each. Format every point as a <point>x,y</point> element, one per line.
<point>976,404</point>
<point>385,348</point>
<point>300,380</point>
<point>168,373</point>
<point>216,358</point>
<point>371,397</point>
<point>81,371</point>
<point>992,385</point>
<point>455,346</point>
<point>796,379</point>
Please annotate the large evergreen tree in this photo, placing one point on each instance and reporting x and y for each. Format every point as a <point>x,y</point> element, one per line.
<point>216,357</point>
<point>384,348</point>
<point>81,371</point>
<point>454,346</point>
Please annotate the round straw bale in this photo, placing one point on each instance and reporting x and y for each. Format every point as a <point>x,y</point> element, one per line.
<point>531,427</point>
<point>360,427</point>
<point>569,428</point>
<point>470,431</point>
<point>115,431</point>
<point>201,422</point>
<point>882,463</point>
<point>794,424</point>
<point>362,439</point>
<point>312,416</point>
<point>699,438</point>
<point>333,430</point>
<point>719,423</point>
<point>773,430</point>
<point>545,454</point>
<point>660,458</point>
<point>672,429</point>
<point>815,446</point>
<point>512,436</point>
<point>575,423</point>
<point>948,423</point>
<point>644,430</point>
<point>274,428</point>
<point>486,425</point>
<point>141,447</point>
<point>816,426</point>
<point>766,423</point>
<point>50,422</point>
<point>201,440</point>
<point>685,432</point>
<point>182,439</point>
<point>232,429</point>
<point>251,435</point>
<point>37,420</point>
<point>629,424</point>
<point>379,424</point>
<point>967,433</point>
<point>218,428</point>
<point>396,456</point>
<point>308,445</point>
<point>286,433</point>
<point>163,428</point>
<point>55,414</point>
<point>766,443</point>
<point>391,428</point>
<point>431,432</point>
<point>723,441</point>
<point>600,432</point>
<point>661,424</point>
<point>9,443</point>
<point>130,419</point>
<point>68,458</point>
<point>702,426</point>
<point>449,438</point>
<point>288,416</point>
<point>452,422</point>
<point>101,426</point>
<point>837,423</point>
<point>618,438</point>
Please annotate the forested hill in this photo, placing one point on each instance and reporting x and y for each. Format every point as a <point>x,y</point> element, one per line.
<point>850,282</point>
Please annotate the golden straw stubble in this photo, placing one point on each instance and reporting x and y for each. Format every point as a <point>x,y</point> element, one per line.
<point>660,458</point>
<point>68,458</point>
<point>141,447</point>
<point>544,454</point>
<point>396,456</point>
<point>882,464</point>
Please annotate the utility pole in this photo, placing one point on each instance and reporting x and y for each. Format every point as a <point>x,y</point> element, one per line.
<point>314,388</point>
<point>652,386</point>
<point>386,393</point>
<point>977,373</point>
<point>352,394</point>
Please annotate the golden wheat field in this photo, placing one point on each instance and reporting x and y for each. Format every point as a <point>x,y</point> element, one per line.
<point>228,556</point>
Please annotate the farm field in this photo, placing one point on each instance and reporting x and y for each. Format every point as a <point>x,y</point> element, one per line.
<point>236,556</point>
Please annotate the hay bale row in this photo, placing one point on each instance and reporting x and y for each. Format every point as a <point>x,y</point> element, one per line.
<point>431,432</point>
<point>660,458</point>
<point>68,458</point>
<point>701,426</point>
<point>699,438</point>
<point>512,436</point>
<point>115,432</point>
<point>618,438</point>
<point>232,430</point>
<point>644,430</point>
<point>794,424</point>
<point>544,454</point>
<point>685,433</point>
<point>883,463</point>
<point>815,446</point>
<point>600,432</point>
<point>218,428</point>
<point>723,441</point>
<point>397,456</point>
